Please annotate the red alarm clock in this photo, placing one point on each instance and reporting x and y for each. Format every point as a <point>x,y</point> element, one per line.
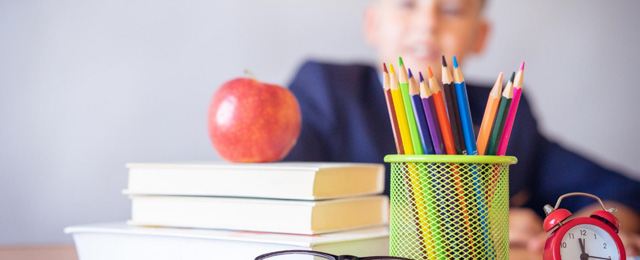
<point>585,238</point>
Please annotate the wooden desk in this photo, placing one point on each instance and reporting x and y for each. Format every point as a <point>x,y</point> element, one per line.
<point>68,252</point>
<point>60,252</point>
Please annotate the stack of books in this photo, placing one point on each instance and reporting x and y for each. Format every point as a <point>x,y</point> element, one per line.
<point>239,211</point>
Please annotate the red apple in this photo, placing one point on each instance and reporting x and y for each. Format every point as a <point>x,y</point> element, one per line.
<point>251,121</point>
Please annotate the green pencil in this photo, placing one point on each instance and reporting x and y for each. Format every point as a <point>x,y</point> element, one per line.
<point>501,117</point>
<point>408,107</point>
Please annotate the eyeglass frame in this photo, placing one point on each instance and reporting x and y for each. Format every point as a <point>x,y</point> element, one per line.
<point>326,255</point>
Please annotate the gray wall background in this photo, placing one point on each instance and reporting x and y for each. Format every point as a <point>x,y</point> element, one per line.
<point>86,86</point>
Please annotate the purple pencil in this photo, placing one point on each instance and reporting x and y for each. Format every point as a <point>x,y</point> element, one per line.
<point>432,117</point>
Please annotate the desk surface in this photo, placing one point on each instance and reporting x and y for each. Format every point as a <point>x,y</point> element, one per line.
<point>68,252</point>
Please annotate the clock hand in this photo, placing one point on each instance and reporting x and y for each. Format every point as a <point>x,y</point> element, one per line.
<point>600,257</point>
<point>583,255</point>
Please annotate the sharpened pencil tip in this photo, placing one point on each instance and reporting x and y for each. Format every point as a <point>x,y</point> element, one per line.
<point>430,71</point>
<point>421,78</point>
<point>400,61</point>
<point>455,62</point>
<point>522,66</point>
<point>444,61</point>
<point>513,75</point>
<point>410,75</point>
<point>391,68</point>
<point>384,67</point>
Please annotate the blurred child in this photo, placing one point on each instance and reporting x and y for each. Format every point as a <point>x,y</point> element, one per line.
<point>345,117</point>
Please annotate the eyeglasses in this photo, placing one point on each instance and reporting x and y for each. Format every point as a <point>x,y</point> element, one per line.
<point>324,256</point>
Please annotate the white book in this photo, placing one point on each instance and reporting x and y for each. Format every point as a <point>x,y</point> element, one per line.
<point>110,241</point>
<point>283,180</point>
<point>265,215</point>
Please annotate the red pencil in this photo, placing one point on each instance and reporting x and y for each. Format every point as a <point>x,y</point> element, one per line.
<point>392,112</point>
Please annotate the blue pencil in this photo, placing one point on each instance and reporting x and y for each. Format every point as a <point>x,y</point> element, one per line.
<point>469,140</point>
<point>465,113</point>
<point>418,111</point>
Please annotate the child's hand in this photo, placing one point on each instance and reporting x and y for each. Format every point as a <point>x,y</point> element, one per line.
<point>525,229</point>
<point>631,243</point>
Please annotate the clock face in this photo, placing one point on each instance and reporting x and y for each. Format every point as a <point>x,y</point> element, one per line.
<point>597,244</point>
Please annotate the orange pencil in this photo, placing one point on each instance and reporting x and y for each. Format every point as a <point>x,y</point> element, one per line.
<point>386,86</point>
<point>441,110</point>
<point>447,136</point>
<point>489,116</point>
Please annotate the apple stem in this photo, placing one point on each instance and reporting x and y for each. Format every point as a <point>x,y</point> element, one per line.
<point>250,74</point>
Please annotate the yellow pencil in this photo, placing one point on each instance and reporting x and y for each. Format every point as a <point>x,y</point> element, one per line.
<point>398,103</point>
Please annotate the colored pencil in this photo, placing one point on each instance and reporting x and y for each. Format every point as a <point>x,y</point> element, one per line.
<point>412,180</point>
<point>489,116</point>
<point>456,205</point>
<point>414,184</point>
<point>398,103</point>
<point>418,111</point>
<point>481,235</point>
<point>465,112</point>
<point>408,108</point>
<point>386,86</point>
<point>432,181</point>
<point>452,108</point>
<point>441,112</point>
<point>415,175</point>
<point>426,182</point>
<point>430,113</point>
<point>448,140</point>
<point>501,116</point>
<point>508,125</point>
<point>483,137</point>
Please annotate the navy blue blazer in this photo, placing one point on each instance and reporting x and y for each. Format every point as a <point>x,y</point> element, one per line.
<point>345,119</point>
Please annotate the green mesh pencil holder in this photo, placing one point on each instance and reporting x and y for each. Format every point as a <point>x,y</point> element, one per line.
<point>449,206</point>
